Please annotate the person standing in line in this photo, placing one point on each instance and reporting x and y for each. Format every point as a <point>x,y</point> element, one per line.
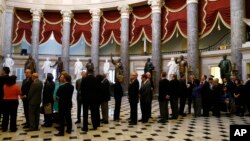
<point>149,77</point>
<point>190,87</point>
<point>105,98</point>
<point>90,90</point>
<point>49,87</point>
<point>197,98</point>
<point>174,95</point>
<point>163,97</point>
<point>118,93</point>
<point>247,89</point>
<point>206,93</point>
<point>64,94</point>
<point>183,95</point>
<point>145,97</point>
<point>3,78</point>
<point>133,97</point>
<point>34,98</point>
<point>11,93</point>
<point>79,97</point>
<point>25,91</point>
<point>239,95</point>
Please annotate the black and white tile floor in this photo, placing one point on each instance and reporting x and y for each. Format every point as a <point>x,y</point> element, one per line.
<point>183,129</point>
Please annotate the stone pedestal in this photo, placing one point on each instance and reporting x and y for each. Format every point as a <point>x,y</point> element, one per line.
<point>96,14</point>
<point>192,38</point>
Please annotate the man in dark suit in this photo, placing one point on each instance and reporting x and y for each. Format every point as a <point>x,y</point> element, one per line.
<point>105,97</point>
<point>133,97</point>
<point>25,91</point>
<point>174,95</point>
<point>163,97</point>
<point>145,98</point>
<point>64,94</point>
<point>3,78</point>
<point>90,89</point>
<point>247,90</point>
<point>34,98</point>
<point>183,94</point>
<point>206,95</point>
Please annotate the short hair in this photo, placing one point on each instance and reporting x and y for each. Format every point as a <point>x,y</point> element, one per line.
<point>144,76</point>
<point>11,80</point>
<point>174,76</point>
<point>163,74</point>
<point>6,70</point>
<point>248,75</point>
<point>67,77</point>
<point>205,76</point>
<point>50,77</point>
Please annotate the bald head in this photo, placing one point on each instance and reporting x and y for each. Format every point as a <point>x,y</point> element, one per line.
<point>133,76</point>
<point>34,76</point>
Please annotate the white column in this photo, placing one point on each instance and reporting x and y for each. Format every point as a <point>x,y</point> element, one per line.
<point>67,15</point>
<point>125,10</point>
<point>95,31</point>
<point>8,30</point>
<point>36,17</point>
<point>156,40</point>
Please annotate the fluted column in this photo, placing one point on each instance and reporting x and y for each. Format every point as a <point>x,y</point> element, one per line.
<point>238,33</point>
<point>96,14</point>
<point>125,10</point>
<point>192,37</point>
<point>67,15</point>
<point>36,17</point>
<point>156,39</point>
<point>8,29</point>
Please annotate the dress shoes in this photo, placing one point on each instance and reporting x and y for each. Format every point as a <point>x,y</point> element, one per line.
<point>59,134</point>
<point>84,129</point>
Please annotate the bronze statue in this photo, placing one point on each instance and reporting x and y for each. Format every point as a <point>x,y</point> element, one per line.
<point>149,67</point>
<point>89,66</point>
<point>182,66</point>
<point>225,68</point>
<point>59,69</point>
<point>30,64</point>
<point>118,69</point>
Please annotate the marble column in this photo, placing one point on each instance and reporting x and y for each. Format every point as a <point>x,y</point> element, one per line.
<point>8,29</point>
<point>67,15</point>
<point>125,10</point>
<point>36,17</point>
<point>96,14</point>
<point>238,33</point>
<point>156,40</point>
<point>192,38</point>
<point>1,30</point>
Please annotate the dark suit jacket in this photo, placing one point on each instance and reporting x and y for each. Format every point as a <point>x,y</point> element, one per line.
<point>247,89</point>
<point>48,92</point>
<point>133,91</point>
<point>35,92</point>
<point>118,92</point>
<point>65,93</point>
<point>105,90</point>
<point>183,88</point>
<point>26,86</point>
<point>145,92</point>
<point>163,89</point>
<point>90,89</point>
<point>174,88</point>
<point>205,90</point>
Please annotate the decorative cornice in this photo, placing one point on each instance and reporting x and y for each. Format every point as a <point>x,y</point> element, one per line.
<point>156,5</point>
<point>67,15</point>
<point>10,9</point>
<point>96,14</point>
<point>125,10</point>
<point>192,1</point>
<point>36,14</point>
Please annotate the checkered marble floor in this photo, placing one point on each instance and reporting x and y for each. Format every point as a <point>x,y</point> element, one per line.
<point>183,129</point>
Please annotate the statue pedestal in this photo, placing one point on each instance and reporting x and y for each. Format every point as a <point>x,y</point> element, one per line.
<point>245,50</point>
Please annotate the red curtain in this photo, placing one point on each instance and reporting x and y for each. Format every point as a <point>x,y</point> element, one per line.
<point>140,24</point>
<point>22,26</point>
<point>110,27</point>
<point>51,22</point>
<point>81,26</point>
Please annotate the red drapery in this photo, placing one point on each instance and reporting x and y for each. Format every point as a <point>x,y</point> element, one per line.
<point>110,27</point>
<point>81,26</point>
<point>51,22</point>
<point>22,26</point>
<point>140,24</point>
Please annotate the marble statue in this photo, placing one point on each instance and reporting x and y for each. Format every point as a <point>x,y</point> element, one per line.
<point>47,67</point>
<point>30,64</point>
<point>149,67</point>
<point>89,66</point>
<point>106,67</point>
<point>118,69</point>
<point>225,68</point>
<point>78,68</point>
<point>172,68</point>
<point>9,62</point>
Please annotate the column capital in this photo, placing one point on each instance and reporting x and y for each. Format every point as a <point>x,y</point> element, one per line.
<point>192,1</point>
<point>36,14</point>
<point>67,15</point>
<point>96,14</point>
<point>125,10</point>
<point>156,5</point>
<point>10,9</point>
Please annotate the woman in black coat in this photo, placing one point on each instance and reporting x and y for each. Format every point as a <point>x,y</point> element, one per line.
<point>48,100</point>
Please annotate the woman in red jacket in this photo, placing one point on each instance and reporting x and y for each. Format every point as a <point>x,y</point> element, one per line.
<point>10,104</point>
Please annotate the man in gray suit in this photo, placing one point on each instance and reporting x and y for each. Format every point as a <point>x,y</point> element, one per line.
<point>34,99</point>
